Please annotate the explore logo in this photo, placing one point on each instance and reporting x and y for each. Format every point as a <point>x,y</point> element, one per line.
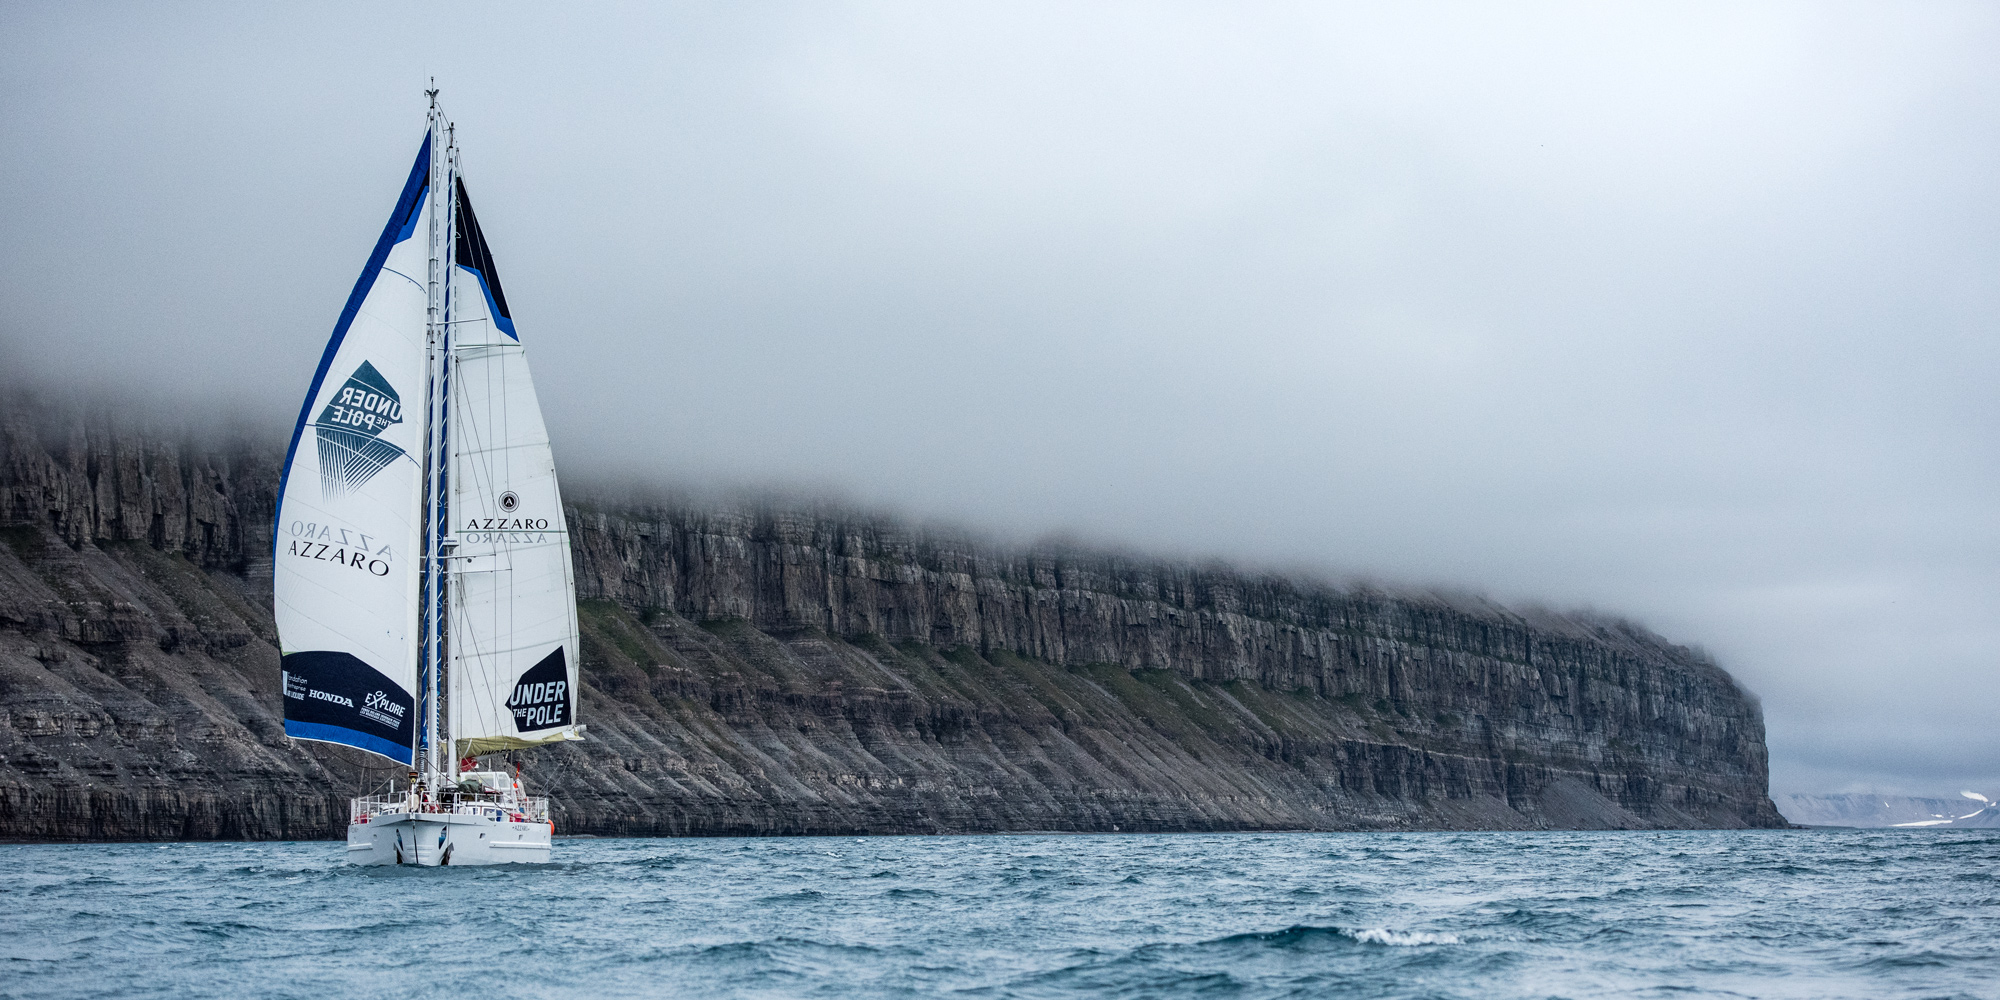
<point>379,707</point>
<point>351,449</point>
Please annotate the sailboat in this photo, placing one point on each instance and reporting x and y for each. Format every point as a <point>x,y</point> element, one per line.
<point>425,601</point>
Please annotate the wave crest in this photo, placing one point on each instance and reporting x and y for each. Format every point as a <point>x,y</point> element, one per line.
<point>1302,934</point>
<point>1400,939</point>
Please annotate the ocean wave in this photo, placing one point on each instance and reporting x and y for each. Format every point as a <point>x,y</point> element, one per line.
<point>1488,917</point>
<point>1401,939</point>
<point>795,896</point>
<point>1293,936</point>
<point>1301,934</point>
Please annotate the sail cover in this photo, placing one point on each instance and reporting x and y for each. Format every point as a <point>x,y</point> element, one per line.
<point>349,526</point>
<point>512,597</point>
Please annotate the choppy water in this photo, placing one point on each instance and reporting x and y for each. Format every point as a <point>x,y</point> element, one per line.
<point>1873,914</point>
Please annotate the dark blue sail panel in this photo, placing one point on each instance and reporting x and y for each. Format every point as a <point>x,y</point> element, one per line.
<point>542,697</point>
<point>402,224</point>
<point>335,698</point>
<point>471,253</point>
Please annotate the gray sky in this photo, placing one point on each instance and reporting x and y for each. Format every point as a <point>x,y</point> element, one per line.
<point>1683,312</point>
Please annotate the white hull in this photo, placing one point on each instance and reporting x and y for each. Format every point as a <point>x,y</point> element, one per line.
<point>454,838</point>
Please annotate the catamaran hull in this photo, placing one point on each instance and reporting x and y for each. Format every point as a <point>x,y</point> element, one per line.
<point>446,839</point>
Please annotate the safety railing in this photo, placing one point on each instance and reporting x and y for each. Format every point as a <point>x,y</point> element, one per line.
<point>503,807</point>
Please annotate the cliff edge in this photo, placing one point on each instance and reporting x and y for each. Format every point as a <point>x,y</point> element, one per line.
<point>766,671</point>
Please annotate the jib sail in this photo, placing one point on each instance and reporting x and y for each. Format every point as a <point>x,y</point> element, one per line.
<point>512,598</point>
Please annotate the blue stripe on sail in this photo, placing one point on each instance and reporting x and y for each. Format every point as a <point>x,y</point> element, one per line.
<point>411,215</point>
<point>401,224</point>
<point>505,323</point>
<point>348,737</point>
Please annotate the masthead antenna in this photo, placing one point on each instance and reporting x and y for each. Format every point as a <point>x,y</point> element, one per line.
<point>433,92</point>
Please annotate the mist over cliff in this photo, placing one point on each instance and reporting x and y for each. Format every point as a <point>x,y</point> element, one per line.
<point>781,668</point>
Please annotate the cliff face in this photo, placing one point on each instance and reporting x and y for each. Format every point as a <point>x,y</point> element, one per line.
<point>785,672</point>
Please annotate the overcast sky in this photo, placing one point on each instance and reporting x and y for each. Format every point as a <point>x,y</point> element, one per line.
<point>1682,312</point>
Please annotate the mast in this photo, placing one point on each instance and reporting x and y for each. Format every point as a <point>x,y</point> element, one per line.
<point>441,508</point>
<point>436,760</point>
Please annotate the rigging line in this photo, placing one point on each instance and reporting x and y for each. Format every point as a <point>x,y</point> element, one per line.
<point>403,276</point>
<point>499,449</point>
<point>502,548</point>
<point>492,649</point>
<point>482,473</point>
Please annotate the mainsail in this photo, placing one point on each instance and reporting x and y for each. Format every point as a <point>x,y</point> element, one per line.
<point>348,566</point>
<point>511,598</point>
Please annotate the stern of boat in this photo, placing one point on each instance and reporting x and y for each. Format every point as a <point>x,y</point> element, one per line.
<point>495,828</point>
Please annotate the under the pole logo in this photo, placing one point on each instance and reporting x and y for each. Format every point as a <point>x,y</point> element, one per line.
<point>351,449</point>
<point>542,697</point>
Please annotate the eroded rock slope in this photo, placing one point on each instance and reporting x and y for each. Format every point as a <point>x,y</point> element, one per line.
<point>763,671</point>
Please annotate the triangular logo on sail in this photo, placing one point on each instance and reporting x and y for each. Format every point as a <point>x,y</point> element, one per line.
<point>351,449</point>
<point>542,696</point>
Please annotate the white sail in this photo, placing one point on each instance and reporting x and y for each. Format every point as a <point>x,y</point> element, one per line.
<point>348,571</point>
<point>512,596</point>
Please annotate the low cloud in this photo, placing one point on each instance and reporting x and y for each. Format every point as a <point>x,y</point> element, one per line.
<point>1681,313</point>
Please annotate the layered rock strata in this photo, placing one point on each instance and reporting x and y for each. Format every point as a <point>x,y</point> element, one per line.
<point>789,672</point>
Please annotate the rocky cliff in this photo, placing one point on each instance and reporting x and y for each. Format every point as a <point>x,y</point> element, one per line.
<point>770,671</point>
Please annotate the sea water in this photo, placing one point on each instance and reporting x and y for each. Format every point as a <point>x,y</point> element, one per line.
<point>1809,913</point>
